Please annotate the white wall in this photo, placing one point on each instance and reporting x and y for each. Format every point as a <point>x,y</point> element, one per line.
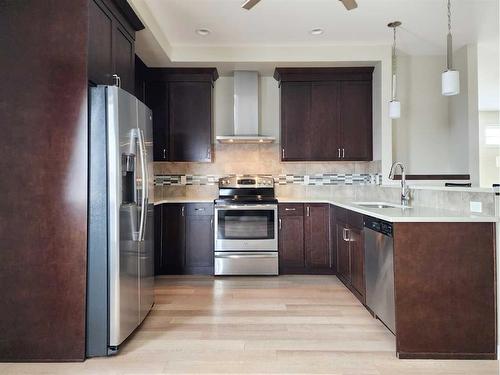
<point>488,169</point>
<point>421,135</point>
<point>437,134</point>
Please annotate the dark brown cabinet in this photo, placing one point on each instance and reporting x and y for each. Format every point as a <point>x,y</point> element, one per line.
<point>190,121</point>
<point>291,238</point>
<point>326,114</point>
<point>350,250</point>
<point>111,43</point>
<point>184,238</point>
<point>304,239</point>
<point>181,100</point>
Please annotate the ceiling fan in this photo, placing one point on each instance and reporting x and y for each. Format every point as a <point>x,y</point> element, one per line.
<point>349,4</point>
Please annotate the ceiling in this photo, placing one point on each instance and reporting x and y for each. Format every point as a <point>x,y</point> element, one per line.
<point>282,23</point>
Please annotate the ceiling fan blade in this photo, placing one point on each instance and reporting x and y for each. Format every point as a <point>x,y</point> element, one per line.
<point>349,4</point>
<point>249,4</point>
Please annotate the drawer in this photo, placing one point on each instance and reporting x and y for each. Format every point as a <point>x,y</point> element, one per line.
<point>199,209</point>
<point>239,263</point>
<point>291,209</point>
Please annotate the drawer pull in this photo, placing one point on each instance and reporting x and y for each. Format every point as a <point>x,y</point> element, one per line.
<point>289,209</point>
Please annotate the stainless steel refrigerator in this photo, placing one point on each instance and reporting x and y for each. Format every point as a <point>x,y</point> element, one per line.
<point>120,273</point>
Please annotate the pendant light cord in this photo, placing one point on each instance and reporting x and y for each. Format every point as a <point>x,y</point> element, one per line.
<point>394,65</point>
<point>449,41</point>
<point>449,16</point>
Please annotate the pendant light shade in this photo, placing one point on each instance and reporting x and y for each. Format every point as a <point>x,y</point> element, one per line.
<point>394,104</point>
<point>394,109</point>
<point>450,80</point>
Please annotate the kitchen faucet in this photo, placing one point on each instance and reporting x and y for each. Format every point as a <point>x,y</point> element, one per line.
<point>405,191</point>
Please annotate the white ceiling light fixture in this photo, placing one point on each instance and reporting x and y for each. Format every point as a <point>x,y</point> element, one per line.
<point>450,79</point>
<point>394,104</point>
<point>202,32</point>
<point>317,31</point>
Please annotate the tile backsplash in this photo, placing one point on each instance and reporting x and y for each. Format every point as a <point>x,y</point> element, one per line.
<point>264,160</point>
<point>355,181</point>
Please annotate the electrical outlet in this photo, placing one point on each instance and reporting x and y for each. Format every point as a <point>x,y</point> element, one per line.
<point>476,207</point>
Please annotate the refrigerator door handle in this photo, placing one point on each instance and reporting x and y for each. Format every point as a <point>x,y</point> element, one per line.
<point>144,179</point>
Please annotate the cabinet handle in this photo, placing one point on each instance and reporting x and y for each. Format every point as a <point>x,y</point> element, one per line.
<point>308,211</point>
<point>338,152</point>
<point>283,153</point>
<point>279,221</point>
<point>208,152</point>
<point>117,80</point>
<point>212,222</point>
<point>345,234</point>
<point>164,153</point>
<point>343,153</point>
<point>289,209</point>
<point>199,209</point>
<point>182,211</point>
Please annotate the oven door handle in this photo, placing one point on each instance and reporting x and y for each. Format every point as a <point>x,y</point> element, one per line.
<point>242,256</point>
<point>247,207</point>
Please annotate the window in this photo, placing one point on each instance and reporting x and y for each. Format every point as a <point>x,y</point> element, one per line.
<point>492,135</point>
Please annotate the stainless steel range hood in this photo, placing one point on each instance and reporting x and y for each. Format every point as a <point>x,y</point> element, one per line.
<point>246,111</point>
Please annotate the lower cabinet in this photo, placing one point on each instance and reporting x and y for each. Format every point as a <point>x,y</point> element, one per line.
<point>184,239</point>
<point>350,250</point>
<point>304,239</point>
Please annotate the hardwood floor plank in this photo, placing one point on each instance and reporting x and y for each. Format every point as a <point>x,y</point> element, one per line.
<point>256,325</point>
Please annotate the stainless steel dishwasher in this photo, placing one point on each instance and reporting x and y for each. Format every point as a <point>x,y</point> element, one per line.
<point>379,270</point>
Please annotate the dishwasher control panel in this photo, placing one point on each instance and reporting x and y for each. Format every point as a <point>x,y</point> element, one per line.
<point>378,225</point>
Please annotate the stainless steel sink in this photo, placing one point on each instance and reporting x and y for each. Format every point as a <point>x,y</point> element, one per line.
<point>380,205</point>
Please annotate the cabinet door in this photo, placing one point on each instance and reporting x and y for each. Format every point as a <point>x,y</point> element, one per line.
<point>343,254</point>
<point>356,120</point>
<point>295,117</point>
<point>199,244</point>
<point>100,59</point>
<point>157,100</point>
<point>173,239</point>
<point>124,58</point>
<point>190,121</point>
<point>324,125</point>
<point>357,261</point>
<point>317,237</point>
<point>291,244</point>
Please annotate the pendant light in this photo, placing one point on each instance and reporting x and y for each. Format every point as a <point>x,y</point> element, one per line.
<point>451,78</point>
<point>395,104</point>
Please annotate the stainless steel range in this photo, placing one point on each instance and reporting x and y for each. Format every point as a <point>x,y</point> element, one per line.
<point>246,226</point>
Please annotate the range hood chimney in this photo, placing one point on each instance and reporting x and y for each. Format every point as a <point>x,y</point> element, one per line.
<point>246,111</point>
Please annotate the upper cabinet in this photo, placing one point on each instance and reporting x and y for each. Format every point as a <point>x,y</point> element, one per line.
<point>112,27</point>
<point>181,100</point>
<point>326,114</point>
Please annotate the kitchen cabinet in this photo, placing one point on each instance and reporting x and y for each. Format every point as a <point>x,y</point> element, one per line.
<point>291,238</point>
<point>185,239</point>
<point>350,250</point>
<point>326,114</point>
<point>112,27</point>
<point>181,100</point>
<point>304,239</point>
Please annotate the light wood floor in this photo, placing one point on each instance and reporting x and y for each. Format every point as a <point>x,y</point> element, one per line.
<point>286,324</point>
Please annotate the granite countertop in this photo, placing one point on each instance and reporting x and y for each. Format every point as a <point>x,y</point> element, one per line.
<point>394,215</point>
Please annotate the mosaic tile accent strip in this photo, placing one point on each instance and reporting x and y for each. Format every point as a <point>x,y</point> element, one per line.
<point>324,179</point>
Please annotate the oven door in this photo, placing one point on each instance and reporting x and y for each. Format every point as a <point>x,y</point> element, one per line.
<point>246,227</point>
